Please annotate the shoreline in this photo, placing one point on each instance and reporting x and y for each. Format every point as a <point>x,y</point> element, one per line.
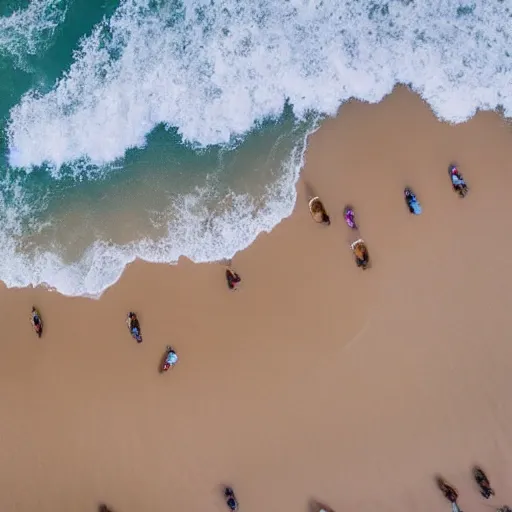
<point>149,250</point>
<point>314,380</point>
<point>193,225</point>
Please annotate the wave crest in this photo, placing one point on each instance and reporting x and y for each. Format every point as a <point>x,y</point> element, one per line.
<point>212,69</point>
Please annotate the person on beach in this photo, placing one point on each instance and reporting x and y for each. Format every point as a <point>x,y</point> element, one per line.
<point>318,212</point>
<point>36,321</point>
<point>134,326</point>
<point>232,278</point>
<point>449,492</point>
<point>360,253</point>
<point>412,201</point>
<point>103,508</point>
<point>231,501</point>
<point>459,185</point>
<point>458,182</point>
<point>350,217</point>
<point>133,322</point>
<point>171,358</point>
<point>483,482</point>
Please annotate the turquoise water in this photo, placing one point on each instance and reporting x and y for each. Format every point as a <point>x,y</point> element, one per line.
<point>161,128</point>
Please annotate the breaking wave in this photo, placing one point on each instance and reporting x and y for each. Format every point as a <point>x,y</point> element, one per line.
<point>213,69</point>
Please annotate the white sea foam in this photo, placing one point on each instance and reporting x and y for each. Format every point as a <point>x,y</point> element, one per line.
<point>212,69</point>
<point>27,30</point>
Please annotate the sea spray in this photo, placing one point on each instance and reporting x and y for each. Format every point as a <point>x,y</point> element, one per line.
<point>26,31</point>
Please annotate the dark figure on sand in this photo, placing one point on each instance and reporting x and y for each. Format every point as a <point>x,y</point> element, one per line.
<point>37,323</point>
<point>104,508</point>
<point>458,183</point>
<point>361,254</point>
<point>134,326</point>
<point>231,500</point>
<point>483,482</point>
<point>412,201</point>
<point>232,279</point>
<point>318,212</point>
<point>448,491</point>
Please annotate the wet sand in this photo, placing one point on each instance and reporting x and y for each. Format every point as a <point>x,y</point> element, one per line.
<point>315,380</point>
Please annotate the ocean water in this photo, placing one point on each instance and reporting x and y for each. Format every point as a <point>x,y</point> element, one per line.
<point>159,128</point>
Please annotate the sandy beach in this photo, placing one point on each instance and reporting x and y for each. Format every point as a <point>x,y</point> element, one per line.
<point>313,381</point>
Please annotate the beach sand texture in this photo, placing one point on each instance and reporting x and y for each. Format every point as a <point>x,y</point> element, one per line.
<point>315,380</point>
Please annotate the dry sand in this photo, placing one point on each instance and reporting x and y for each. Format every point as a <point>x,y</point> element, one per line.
<point>315,380</point>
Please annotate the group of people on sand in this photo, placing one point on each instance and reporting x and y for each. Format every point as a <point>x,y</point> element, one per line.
<point>449,492</point>
<point>484,486</point>
<point>359,248</point>
<point>361,255</point>
<point>320,215</point>
<point>132,321</point>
